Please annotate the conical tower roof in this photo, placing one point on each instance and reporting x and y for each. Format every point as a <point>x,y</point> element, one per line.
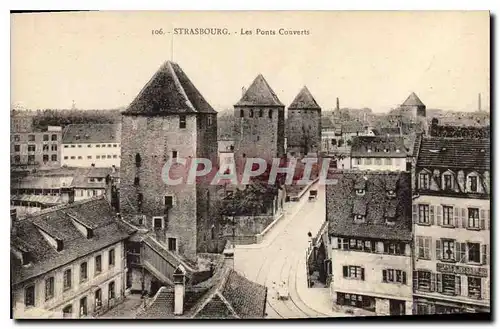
<point>304,100</point>
<point>413,100</point>
<point>169,91</point>
<point>259,94</point>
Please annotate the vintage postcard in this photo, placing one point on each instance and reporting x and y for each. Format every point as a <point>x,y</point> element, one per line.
<point>250,165</point>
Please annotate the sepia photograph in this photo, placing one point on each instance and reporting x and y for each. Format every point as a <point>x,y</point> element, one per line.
<point>180,165</point>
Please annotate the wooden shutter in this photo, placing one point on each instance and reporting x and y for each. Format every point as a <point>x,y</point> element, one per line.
<point>457,216</point>
<point>427,248</point>
<point>337,245</point>
<point>417,246</point>
<point>463,252</point>
<point>439,252</point>
<point>439,282</point>
<point>439,214</point>
<point>464,217</point>
<point>458,284</point>
<point>384,275</point>
<point>415,213</point>
<point>415,280</point>
<point>485,288</point>
<point>363,273</point>
<point>433,282</point>
<point>404,277</point>
<point>482,219</point>
<point>345,271</point>
<point>457,251</point>
<point>487,226</point>
<point>431,215</point>
<point>485,254</point>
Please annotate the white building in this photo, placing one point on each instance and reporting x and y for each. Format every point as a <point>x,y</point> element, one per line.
<point>379,153</point>
<point>451,215</point>
<point>226,152</point>
<point>68,261</point>
<point>369,218</point>
<point>87,145</point>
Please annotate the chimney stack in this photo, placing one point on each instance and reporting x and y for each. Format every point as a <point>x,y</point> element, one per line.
<point>229,255</point>
<point>479,102</point>
<point>338,105</point>
<point>179,290</point>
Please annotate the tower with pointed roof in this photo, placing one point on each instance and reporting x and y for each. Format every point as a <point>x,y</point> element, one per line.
<point>414,106</point>
<point>304,125</point>
<point>169,120</point>
<point>260,123</point>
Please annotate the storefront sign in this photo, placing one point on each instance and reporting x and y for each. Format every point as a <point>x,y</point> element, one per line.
<point>465,270</point>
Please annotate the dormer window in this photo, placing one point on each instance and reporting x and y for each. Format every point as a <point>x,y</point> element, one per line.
<point>447,182</point>
<point>360,192</point>
<point>390,220</point>
<point>369,150</point>
<point>386,150</point>
<point>424,179</point>
<point>398,150</point>
<point>391,193</point>
<point>359,219</point>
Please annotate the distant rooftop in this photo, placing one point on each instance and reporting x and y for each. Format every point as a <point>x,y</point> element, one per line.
<point>92,133</point>
<point>378,146</point>
<point>304,100</point>
<point>413,100</point>
<point>259,94</point>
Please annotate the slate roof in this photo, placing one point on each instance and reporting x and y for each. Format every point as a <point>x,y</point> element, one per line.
<point>227,295</point>
<point>259,94</point>
<point>57,222</point>
<point>46,182</point>
<point>454,153</point>
<point>388,131</point>
<point>460,132</point>
<point>413,100</point>
<point>352,127</point>
<point>44,199</point>
<point>378,145</point>
<point>92,133</point>
<point>304,100</point>
<point>343,203</point>
<point>169,91</point>
<point>326,123</point>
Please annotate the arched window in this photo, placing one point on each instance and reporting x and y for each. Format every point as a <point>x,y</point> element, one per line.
<point>242,113</point>
<point>212,232</point>
<point>138,160</point>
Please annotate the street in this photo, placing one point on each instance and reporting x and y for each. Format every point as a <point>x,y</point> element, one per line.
<point>281,257</point>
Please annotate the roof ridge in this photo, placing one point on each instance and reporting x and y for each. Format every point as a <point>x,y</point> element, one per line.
<point>179,86</point>
<point>60,207</point>
<point>227,303</point>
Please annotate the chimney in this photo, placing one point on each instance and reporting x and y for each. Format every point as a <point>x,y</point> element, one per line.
<point>229,255</point>
<point>243,91</point>
<point>179,290</point>
<point>338,105</point>
<point>479,102</point>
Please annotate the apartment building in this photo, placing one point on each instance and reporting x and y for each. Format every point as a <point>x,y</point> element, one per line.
<point>451,215</point>
<point>379,153</point>
<point>36,148</point>
<point>91,145</point>
<point>370,235</point>
<point>68,262</point>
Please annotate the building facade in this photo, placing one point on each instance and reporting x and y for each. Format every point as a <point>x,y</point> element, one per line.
<point>378,153</point>
<point>91,145</point>
<point>451,215</point>
<point>370,236</point>
<point>259,123</point>
<point>413,107</point>
<point>40,149</point>
<point>169,120</point>
<point>304,125</point>
<point>68,262</point>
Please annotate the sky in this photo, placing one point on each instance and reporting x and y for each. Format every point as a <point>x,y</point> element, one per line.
<point>366,59</point>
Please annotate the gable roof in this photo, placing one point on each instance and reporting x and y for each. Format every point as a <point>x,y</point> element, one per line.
<point>342,203</point>
<point>304,100</point>
<point>57,222</point>
<point>92,133</point>
<point>227,295</point>
<point>454,153</point>
<point>413,100</point>
<point>259,94</point>
<point>376,146</point>
<point>169,91</point>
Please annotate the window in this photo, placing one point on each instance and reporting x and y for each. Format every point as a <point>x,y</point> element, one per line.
<point>16,138</point>
<point>136,181</point>
<point>17,148</point>
<point>53,147</point>
<point>378,161</point>
<point>270,114</point>
<point>359,301</point>
<point>83,306</point>
<point>49,288</point>
<point>73,146</point>
<point>111,258</point>
<point>423,280</point>
<point>242,114</point>
<point>97,156</point>
<point>79,145</point>
<point>368,161</point>
<point>111,290</point>
<point>29,296</point>
<point>474,252</point>
<point>448,284</point>
<point>423,247</point>
<point>66,146</point>
<point>358,161</point>
<point>109,156</point>
<point>53,157</point>
<point>394,276</point>
<point>360,192</point>
<point>45,158</point>
<point>473,221</point>
<point>448,216</point>
<point>423,214</point>
<point>103,145</point>
<point>474,287</point>
<point>473,183</point>
<point>67,279</point>
<point>115,156</point>
<point>353,272</point>
<point>388,161</point>
<point>17,159</point>
<point>89,157</point>
<point>251,113</point>
<point>73,158</point>
<point>174,154</point>
<point>169,201</point>
<point>447,182</point>
<point>83,272</point>
<point>182,121</point>
<point>115,145</point>
<point>31,138</point>
<point>54,137</point>
<point>98,264</point>
<point>98,298</point>
<point>45,138</point>
<point>354,244</point>
<point>98,145</point>
<point>424,181</point>
<point>172,244</point>
<point>157,223</point>
<point>68,311</point>
<point>31,148</point>
<point>137,160</point>
<point>394,248</point>
<point>31,158</point>
<point>139,201</point>
<point>66,158</point>
<point>45,147</point>
<point>261,113</point>
<point>448,249</point>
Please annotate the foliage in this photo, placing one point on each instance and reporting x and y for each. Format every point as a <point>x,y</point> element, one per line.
<point>51,117</point>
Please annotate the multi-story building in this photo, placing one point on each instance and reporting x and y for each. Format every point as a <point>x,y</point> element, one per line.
<point>68,261</point>
<point>169,120</point>
<point>370,231</point>
<point>40,149</point>
<point>20,122</point>
<point>259,123</point>
<point>304,125</point>
<point>91,145</point>
<point>378,153</point>
<point>451,215</point>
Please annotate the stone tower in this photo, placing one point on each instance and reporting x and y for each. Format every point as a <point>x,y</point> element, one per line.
<point>259,123</point>
<point>169,120</point>
<point>413,106</point>
<point>304,124</point>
